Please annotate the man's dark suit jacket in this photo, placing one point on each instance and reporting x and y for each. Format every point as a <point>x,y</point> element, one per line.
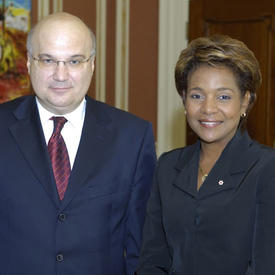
<point>96,229</point>
<point>225,228</point>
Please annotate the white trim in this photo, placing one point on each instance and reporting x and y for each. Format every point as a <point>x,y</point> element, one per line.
<point>122,54</point>
<point>101,50</point>
<point>57,5</point>
<point>43,8</point>
<point>173,18</point>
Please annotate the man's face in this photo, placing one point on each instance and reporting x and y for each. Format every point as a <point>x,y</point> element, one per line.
<point>60,89</point>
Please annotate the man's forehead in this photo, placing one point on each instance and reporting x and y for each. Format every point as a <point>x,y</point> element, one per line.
<point>60,27</point>
<point>62,35</point>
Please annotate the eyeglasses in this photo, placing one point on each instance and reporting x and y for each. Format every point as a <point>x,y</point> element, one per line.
<point>49,63</point>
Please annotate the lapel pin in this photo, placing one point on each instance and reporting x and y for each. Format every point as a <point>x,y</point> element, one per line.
<point>220,182</point>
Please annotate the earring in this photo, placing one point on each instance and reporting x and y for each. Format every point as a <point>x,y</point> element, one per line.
<point>185,112</point>
<point>243,115</point>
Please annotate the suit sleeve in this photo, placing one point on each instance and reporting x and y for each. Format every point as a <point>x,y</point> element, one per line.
<point>155,257</point>
<point>141,187</point>
<point>263,253</point>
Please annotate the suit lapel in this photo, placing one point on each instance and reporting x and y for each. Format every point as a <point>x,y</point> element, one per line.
<point>92,152</point>
<point>28,134</point>
<point>229,172</point>
<point>187,167</point>
<point>231,169</point>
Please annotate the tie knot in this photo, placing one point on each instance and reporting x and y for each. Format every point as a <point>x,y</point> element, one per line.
<point>59,122</point>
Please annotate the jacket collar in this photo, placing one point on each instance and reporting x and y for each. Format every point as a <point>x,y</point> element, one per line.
<point>230,170</point>
<point>28,134</point>
<point>95,140</point>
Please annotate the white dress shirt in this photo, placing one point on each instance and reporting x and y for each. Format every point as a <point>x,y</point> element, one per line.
<point>71,131</point>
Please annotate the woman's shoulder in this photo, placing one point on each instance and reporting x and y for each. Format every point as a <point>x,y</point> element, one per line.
<point>178,155</point>
<point>249,149</point>
<point>266,152</point>
<point>264,159</point>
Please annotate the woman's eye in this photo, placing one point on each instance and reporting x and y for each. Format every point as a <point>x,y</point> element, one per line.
<point>224,97</point>
<point>196,96</point>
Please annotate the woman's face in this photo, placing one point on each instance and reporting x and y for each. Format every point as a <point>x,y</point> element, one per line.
<point>213,104</point>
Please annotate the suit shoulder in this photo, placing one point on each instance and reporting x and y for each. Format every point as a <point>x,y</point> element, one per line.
<point>266,152</point>
<point>267,149</point>
<point>172,154</point>
<point>176,155</point>
<point>117,115</point>
<point>178,152</point>
<point>265,157</point>
<point>7,109</point>
<point>12,104</point>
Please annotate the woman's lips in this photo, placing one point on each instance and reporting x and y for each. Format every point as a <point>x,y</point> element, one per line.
<point>209,124</point>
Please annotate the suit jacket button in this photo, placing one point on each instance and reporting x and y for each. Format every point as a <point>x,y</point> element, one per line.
<point>59,257</point>
<point>197,220</point>
<point>62,217</point>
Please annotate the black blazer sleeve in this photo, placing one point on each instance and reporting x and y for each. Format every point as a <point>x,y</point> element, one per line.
<point>155,259</point>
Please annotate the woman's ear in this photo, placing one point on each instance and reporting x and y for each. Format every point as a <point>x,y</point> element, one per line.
<point>183,96</point>
<point>245,102</point>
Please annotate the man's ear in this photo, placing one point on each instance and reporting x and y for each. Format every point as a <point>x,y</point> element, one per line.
<point>28,64</point>
<point>93,63</point>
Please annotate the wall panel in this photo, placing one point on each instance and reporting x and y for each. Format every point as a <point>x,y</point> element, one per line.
<point>143,59</point>
<point>86,10</point>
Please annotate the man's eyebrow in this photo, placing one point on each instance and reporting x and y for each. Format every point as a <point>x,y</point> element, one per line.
<point>45,55</point>
<point>78,55</point>
<point>50,56</point>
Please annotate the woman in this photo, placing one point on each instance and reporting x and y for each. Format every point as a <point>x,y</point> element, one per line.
<point>212,206</point>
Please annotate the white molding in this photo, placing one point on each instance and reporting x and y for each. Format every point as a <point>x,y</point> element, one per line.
<point>43,8</point>
<point>122,54</point>
<point>173,18</point>
<point>100,72</point>
<point>57,5</point>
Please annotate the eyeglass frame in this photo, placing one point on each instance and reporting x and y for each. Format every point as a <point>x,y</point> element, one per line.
<point>65,62</point>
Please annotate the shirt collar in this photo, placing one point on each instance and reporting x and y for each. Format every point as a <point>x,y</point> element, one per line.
<point>73,118</point>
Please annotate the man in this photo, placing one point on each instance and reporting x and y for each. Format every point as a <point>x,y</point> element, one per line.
<point>75,173</point>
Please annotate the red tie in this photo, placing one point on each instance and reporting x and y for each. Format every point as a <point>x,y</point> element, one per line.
<point>59,156</point>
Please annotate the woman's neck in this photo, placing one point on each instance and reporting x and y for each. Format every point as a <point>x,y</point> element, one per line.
<point>209,154</point>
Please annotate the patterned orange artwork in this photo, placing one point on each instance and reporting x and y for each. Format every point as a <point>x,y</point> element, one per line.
<point>14,27</point>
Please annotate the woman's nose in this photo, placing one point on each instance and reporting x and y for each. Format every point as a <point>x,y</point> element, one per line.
<point>209,105</point>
